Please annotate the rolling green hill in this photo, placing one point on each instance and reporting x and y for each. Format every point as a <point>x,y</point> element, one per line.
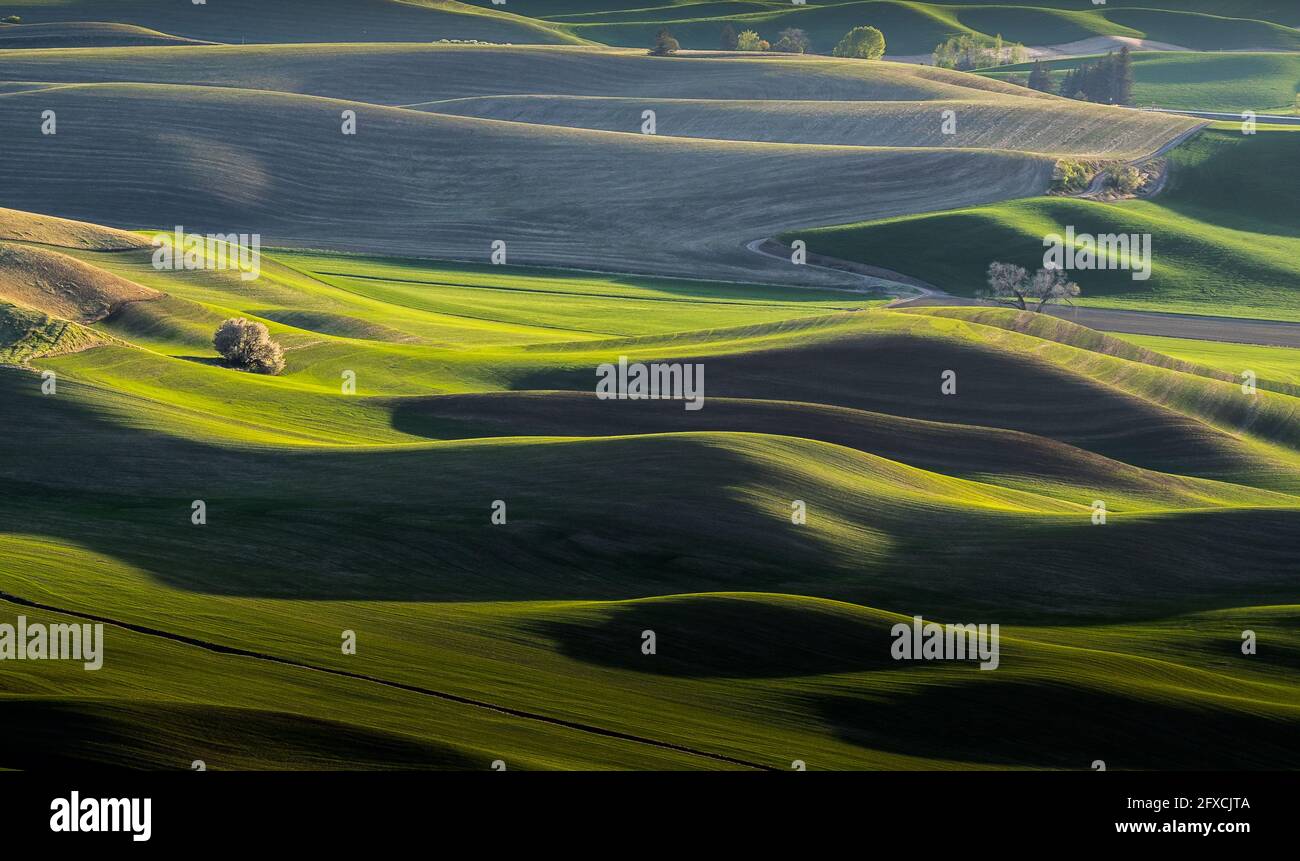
<point>913,28</point>
<point>521,641</point>
<point>433,475</point>
<point>251,21</point>
<point>1204,81</point>
<point>1224,212</point>
<point>85,35</point>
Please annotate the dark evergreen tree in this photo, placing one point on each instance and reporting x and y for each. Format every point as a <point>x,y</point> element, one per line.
<point>1123,91</point>
<point>1070,84</point>
<point>730,41</point>
<point>1040,78</point>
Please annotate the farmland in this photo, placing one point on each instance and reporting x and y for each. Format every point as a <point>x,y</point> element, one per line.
<point>455,238</point>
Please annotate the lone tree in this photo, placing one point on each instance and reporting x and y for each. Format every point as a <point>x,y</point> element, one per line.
<point>792,41</point>
<point>1009,281</point>
<point>246,344</point>
<point>664,45</point>
<point>866,43</point>
<point>730,41</point>
<point>1040,78</point>
<point>749,40</point>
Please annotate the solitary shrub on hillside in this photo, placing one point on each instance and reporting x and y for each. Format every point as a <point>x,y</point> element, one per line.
<point>866,43</point>
<point>792,41</point>
<point>11,19</point>
<point>664,44</point>
<point>247,344</point>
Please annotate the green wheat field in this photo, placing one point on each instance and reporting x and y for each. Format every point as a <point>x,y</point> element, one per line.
<point>429,544</point>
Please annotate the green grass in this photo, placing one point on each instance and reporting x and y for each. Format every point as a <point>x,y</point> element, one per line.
<point>370,512</point>
<point>1272,363</point>
<point>1223,213</point>
<point>543,615</point>
<point>1203,81</point>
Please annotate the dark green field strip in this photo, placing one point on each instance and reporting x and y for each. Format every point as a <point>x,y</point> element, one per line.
<point>441,695</point>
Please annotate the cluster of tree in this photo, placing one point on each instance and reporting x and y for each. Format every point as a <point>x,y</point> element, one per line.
<point>1040,78</point>
<point>1108,80</point>
<point>966,52</point>
<point>247,344</point>
<point>1007,281</point>
<point>792,40</point>
<point>866,43</point>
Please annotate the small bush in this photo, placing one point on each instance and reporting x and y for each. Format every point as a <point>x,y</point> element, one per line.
<point>11,19</point>
<point>665,45</point>
<point>247,344</point>
<point>1071,176</point>
<point>750,41</point>
<point>1126,179</point>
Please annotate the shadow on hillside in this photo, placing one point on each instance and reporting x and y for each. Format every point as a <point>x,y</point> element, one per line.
<point>45,735</point>
<point>726,638</point>
<point>1020,724</point>
<point>610,518</point>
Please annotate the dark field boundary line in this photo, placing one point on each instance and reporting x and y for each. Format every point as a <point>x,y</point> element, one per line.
<point>401,686</point>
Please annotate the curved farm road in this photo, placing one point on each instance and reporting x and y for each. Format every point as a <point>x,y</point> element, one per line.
<point>1098,183</point>
<point>1233,330</point>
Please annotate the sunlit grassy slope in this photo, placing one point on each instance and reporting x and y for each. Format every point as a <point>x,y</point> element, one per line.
<point>370,512</point>
<point>1225,237</point>
<point>1277,363</point>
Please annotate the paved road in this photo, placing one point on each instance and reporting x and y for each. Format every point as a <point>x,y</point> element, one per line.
<point>1263,119</point>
